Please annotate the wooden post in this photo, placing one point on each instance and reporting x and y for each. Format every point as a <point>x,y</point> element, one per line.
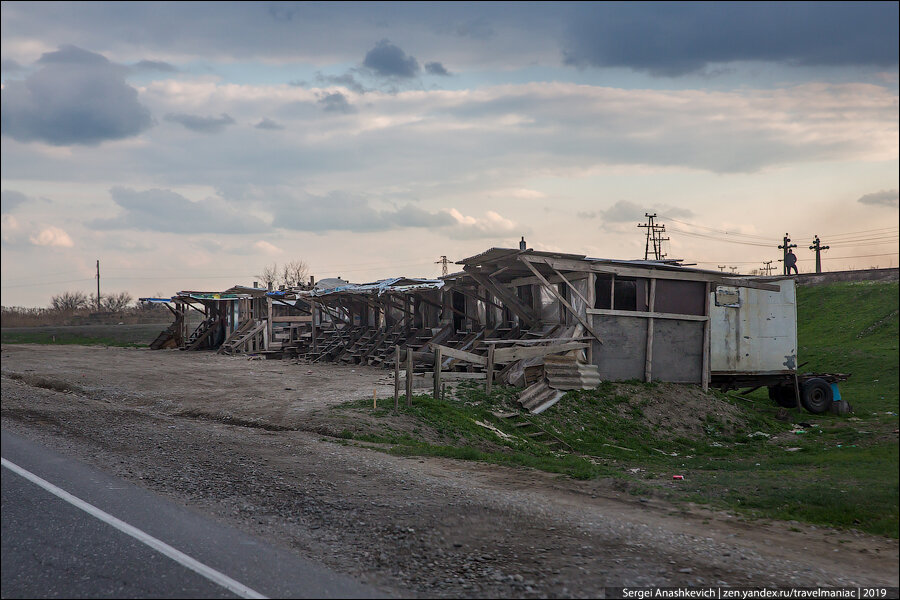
<point>268,322</point>
<point>648,363</point>
<point>312,311</point>
<point>409,376</point>
<point>438,359</point>
<point>490,369</point>
<point>592,300</point>
<point>704,376</point>
<point>797,391</point>
<point>396,377</point>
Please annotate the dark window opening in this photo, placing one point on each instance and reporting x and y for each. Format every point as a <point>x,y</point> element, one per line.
<point>459,304</point>
<point>602,292</point>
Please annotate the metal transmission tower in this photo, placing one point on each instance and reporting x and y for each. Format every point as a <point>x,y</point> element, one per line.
<point>443,262</point>
<point>818,247</point>
<point>785,247</point>
<point>767,267</point>
<point>654,237</point>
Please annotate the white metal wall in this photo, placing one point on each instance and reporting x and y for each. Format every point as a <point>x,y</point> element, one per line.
<point>753,331</point>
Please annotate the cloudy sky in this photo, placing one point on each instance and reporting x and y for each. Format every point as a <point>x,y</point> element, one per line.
<point>189,145</point>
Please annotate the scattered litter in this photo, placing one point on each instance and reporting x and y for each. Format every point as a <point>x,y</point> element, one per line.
<point>666,453</point>
<point>716,445</point>
<point>799,431</point>
<point>635,470</point>
<point>756,434</point>
<point>797,449</point>
<point>805,424</point>
<point>679,477</point>
<point>621,448</point>
<point>499,433</point>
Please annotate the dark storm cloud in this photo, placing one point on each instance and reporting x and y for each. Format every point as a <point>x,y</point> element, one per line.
<point>74,97</point>
<point>436,68</point>
<point>7,65</point>
<point>155,65</point>
<point>388,60</point>
<point>169,212</point>
<point>624,211</point>
<point>671,39</point>
<point>336,102</point>
<point>201,124</point>
<point>345,212</point>
<point>267,123</point>
<point>10,200</point>
<point>882,198</point>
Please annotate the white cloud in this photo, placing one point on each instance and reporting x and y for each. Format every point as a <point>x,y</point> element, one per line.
<point>52,236</point>
<point>491,225</point>
<point>267,248</point>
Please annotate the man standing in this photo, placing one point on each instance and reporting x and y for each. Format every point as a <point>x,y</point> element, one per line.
<point>790,262</point>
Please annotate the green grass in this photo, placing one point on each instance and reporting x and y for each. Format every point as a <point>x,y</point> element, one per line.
<point>839,472</point>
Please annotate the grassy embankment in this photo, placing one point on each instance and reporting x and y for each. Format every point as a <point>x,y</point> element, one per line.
<point>738,453</point>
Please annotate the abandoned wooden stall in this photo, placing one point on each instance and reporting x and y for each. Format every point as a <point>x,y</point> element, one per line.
<point>362,323</point>
<point>646,320</point>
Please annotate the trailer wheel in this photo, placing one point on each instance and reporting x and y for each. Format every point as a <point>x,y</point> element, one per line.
<point>816,395</point>
<point>783,395</point>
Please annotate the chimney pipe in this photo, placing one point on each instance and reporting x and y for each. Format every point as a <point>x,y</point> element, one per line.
<point>522,244</point>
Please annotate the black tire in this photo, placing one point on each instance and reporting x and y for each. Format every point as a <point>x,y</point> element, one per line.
<point>816,395</point>
<point>783,395</point>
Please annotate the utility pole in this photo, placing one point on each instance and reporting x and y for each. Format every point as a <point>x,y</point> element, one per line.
<point>653,237</point>
<point>733,270</point>
<point>443,262</point>
<point>722,268</point>
<point>818,247</point>
<point>98,285</point>
<point>785,247</point>
<point>767,267</point>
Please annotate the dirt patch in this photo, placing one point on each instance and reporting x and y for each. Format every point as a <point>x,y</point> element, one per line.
<point>681,410</point>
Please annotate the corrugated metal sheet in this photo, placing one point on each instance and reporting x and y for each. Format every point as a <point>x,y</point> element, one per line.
<point>753,331</point>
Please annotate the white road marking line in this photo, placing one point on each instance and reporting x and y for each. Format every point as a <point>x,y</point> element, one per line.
<point>180,557</point>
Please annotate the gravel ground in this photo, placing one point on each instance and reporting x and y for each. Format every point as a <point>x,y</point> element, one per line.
<point>412,526</point>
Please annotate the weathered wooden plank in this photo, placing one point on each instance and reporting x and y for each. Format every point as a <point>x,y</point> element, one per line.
<point>507,355</point>
<point>645,314</point>
<point>461,354</point>
<point>649,273</point>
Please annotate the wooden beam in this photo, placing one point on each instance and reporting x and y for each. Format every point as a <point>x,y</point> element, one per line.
<point>552,279</point>
<point>505,296</point>
<point>645,314</point>
<point>704,375</point>
<point>562,300</point>
<point>648,273</point>
<point>648,357</point>
<point>490,369</point>
<point>461,354</point>
<point>572,287</point>
<point>508,355</point>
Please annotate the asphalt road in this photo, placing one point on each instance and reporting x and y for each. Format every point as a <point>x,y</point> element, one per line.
<point>132,543</point>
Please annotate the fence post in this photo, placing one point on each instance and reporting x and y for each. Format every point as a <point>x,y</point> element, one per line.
<point>409,376</point>
<point>396,377</point>
<point>490,369</point>
<point>438,359</point>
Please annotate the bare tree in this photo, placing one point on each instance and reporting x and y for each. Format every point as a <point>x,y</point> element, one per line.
<point>269,276</point>
<point>294,273</point>
<point>116,302</point>
<point>69,301</point>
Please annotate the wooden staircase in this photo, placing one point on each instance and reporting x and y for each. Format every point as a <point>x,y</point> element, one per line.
<point>248,337</point>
